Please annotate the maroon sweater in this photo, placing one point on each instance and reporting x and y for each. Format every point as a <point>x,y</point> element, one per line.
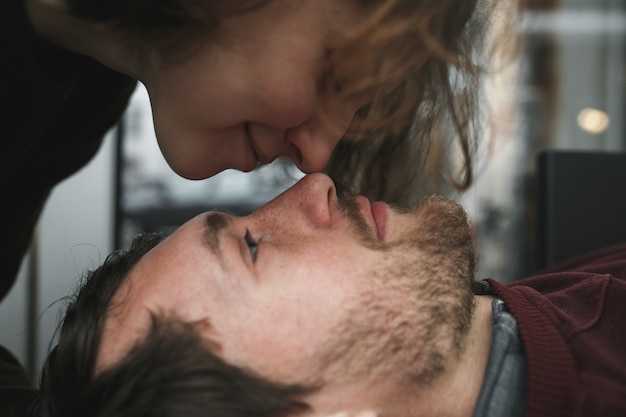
<point>572,319</point>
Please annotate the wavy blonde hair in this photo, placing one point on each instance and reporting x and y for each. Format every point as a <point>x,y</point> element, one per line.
<point>431,50</point>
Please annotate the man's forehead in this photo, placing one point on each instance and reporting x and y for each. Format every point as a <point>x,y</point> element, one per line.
<point>139,294</point>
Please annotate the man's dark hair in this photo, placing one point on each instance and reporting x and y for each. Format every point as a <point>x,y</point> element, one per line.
<point>171,372</point>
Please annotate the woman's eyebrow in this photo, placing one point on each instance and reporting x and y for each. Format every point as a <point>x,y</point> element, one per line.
<point>214,223</point>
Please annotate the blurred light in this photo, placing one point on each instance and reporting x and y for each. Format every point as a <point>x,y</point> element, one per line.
<point>593,120</point>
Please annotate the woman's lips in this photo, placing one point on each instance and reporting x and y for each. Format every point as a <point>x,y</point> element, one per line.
<point>252,157</point>
<point>260,156</point>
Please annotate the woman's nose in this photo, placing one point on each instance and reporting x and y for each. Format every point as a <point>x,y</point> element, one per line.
<point>311,145</point>
<point>314,141</point>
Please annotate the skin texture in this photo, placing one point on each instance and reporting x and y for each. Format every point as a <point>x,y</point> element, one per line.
<point>323,292</point>
<point>247,93</point>
<point>296,230</point>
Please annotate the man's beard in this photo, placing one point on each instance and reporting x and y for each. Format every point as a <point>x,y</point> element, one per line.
<point>414,318</point>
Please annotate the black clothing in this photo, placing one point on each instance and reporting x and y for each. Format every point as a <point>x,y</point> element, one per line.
<point>16,391</point>
<point>57,108</point>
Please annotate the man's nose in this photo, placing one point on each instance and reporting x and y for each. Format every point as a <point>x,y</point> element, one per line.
<point>315,195</point>
<point>308,203</point>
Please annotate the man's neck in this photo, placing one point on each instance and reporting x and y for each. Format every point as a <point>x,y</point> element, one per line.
<point>454,393</point>
<point>458,391</point>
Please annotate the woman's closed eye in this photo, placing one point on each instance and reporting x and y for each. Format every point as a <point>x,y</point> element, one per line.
<point>252,245</point>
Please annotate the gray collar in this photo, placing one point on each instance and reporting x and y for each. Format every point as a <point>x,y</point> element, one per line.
<point>505,386</point>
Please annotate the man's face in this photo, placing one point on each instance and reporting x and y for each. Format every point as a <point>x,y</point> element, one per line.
<point>309,288</point>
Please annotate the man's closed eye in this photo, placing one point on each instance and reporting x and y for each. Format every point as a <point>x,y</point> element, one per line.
<point>252,245</point>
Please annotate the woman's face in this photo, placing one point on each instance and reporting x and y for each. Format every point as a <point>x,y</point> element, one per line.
<point>252,91</point>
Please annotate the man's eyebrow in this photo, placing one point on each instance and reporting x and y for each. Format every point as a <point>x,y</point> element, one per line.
<point>214,223</point>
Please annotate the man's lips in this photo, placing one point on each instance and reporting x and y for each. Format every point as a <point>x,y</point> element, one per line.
<point>380,211</point>
<point>375,214</point>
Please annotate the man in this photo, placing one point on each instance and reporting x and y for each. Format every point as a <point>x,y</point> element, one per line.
<point>318,305</point>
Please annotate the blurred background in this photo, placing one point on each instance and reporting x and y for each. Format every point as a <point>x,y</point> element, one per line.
<point>561,104</point>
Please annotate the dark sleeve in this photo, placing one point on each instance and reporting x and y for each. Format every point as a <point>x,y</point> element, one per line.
<point>611,260</point>
<point>58,106</point>
<point>16,391</point>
